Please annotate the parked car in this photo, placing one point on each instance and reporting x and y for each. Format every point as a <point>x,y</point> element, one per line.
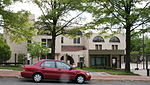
<point>54,69</point>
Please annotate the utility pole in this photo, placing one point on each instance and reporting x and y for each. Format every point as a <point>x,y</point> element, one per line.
<point>143,53</point>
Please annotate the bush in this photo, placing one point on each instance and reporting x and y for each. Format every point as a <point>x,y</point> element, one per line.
<point>101,67</point>
<point>21,58</point>
<point>5,52</point>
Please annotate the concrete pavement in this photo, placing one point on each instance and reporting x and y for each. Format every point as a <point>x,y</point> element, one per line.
<point>141,71</point>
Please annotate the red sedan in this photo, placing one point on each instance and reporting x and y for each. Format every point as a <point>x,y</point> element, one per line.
<point>54,69</point>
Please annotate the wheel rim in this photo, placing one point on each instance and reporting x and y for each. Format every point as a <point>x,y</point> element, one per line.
<point>37,77</point>
<point>80,79</point>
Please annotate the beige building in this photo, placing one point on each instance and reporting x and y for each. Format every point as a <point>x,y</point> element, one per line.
<point>93,51</point>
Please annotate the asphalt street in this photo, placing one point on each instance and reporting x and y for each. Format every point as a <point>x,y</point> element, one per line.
<point>12,81</point>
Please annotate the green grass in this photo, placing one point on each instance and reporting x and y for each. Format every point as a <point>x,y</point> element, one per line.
<point>12,68</point>
<point>109,71</point>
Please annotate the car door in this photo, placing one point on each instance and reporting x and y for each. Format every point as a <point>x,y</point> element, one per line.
<point>49,70</point>
<point>64,71</point>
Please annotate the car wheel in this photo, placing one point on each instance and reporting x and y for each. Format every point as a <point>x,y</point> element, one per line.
<point>37,77</point>
<point>80,79</point>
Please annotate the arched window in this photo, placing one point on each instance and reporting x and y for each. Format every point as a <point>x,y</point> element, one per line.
<point>98,39</point>
<point>114,39</point>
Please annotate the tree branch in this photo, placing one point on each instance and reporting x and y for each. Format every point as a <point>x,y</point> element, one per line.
<point>105,5</point>
<point>45,17</point>
<point>70,21</point>
<point>145,21</point>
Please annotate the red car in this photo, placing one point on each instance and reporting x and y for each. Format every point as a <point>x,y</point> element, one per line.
<point>54,69</point>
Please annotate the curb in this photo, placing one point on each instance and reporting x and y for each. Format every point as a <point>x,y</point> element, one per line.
<point>9,76</point>
<point>118,80</point>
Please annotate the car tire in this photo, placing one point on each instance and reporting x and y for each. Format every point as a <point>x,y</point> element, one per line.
<point>80,79</point>
<point>37,77</point>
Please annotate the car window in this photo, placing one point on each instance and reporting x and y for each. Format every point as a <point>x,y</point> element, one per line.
<point>62,65</point>
<point>50,64</point>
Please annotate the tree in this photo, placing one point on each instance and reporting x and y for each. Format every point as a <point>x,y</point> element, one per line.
<point>56,17</point>
<point>136,43</point>
<point>22,58</point>
<point>5,52</point>
<point>37,50</point>
<point>147,44</point>
<point>17,25</point>
<point>121,14</point>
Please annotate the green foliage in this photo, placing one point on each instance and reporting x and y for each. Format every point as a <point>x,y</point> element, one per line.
<point>5,52</point>
<point>114,13</point>
<point>147,45</point>
<point>12,68</point>
<point>16,25</point>
<point>135,56</point>
<point>121,14</point>
<point>56,17</point>
<point>37,50</point>
<point>22,58</point>
<point>137,46</point>
<point>136,43</point>
<point>109,71</point>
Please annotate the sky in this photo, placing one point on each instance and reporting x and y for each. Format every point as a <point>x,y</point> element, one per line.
<point>33,8</point>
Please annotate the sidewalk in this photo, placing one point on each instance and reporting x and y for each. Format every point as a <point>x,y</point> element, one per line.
<point>98,76</point>
<point>4,73</point>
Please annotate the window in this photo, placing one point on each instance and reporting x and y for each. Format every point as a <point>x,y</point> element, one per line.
<point>50,64</point>
<point>76,40</point>
<point>62,65</point>
<point>47,42</point>
<point>44,42</point>
<point>98,39</point>
<point>114,47</point>
<point>98,47</point>
<point>98,61</point>
<point>114,39</point>
<point>62,39</point>
<point>29,41</point>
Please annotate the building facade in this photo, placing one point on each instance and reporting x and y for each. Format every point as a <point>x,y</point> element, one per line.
<point>92,51</point>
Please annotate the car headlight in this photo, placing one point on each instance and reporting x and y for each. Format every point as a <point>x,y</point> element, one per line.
<point>88,73</point>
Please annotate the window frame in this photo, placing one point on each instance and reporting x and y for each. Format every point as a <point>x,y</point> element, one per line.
<point>98,39</point>
<point>114,40</point>
<point>47,42</point>
<point>77,40</point>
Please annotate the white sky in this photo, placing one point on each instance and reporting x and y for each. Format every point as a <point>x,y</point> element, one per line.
<point>37,12</point>
<point>33,8</point>
<point>26,6</point>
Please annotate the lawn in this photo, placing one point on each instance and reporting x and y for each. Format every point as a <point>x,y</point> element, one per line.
<point>110,71</point>
<point>12,68</point>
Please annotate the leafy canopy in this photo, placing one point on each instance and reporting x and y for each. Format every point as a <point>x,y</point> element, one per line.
<point>37,50</point>
<point>5,52</point>
<point>17,25</point>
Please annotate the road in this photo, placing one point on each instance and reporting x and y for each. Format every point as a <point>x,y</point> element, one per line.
<point>11,81</point>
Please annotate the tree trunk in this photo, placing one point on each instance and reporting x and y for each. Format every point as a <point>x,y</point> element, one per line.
<point>128,49</point>
<point>53,46</point>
